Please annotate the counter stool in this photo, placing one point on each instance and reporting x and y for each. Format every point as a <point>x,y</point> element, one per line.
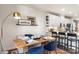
<point>55,34</point>
<point>71,37</point>
<point>62,39</point>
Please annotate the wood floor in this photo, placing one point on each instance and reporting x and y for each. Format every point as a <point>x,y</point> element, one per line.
<point>59,51</point>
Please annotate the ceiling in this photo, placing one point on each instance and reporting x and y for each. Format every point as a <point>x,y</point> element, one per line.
<point>62,9</point>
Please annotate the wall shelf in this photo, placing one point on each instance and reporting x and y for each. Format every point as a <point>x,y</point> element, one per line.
<point>30,21</point>
<point>25,25</point>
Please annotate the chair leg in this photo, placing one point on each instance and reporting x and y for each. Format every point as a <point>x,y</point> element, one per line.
<point>56,51</point>
<point>49,52</point>
<point>67,45</point>
<point>64,44</point>
<point>46,52</point>
<point>76,48</point>
<point>71,46</point>
<point>59,42</point>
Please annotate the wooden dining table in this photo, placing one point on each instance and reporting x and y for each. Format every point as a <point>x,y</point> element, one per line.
<point>19,43</point>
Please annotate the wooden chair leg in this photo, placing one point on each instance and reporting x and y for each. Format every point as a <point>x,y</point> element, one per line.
<point>56,51</point>
<point>49,52</point>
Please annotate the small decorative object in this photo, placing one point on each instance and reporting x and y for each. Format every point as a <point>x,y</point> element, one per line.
<point>76,24</point>
<point>32,19</point>
<point>68,27</point>
<point>50,29</point>
<point>55,28</point>
<point>60,25</point>
<point>47,21</point>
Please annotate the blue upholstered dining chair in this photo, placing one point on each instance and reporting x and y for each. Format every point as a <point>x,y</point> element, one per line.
<point>29,35</point>
<point>51,46</point>
<point>36,50</point>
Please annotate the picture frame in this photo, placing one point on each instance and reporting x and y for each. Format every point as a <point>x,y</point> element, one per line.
<point>30,21</point>
<point>24,22</point>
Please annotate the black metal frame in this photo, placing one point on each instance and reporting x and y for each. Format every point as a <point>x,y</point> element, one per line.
<point>62,39</point>
<point>71,39</point>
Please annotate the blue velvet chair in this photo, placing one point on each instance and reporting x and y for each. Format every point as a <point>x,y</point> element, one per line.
<point>29,35</point>
<point>51,46</point>
<point>36,50</point>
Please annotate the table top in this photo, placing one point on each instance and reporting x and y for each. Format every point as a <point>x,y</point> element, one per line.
<point>19,43</point>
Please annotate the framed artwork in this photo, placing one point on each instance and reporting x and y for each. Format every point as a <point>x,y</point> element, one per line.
<point>23,22</point>
<point>30,21</point>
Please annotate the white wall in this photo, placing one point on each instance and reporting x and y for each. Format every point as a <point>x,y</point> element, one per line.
<point>10,28</point>
<point>40,20</point>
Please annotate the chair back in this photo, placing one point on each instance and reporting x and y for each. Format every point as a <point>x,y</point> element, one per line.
<point>54,34</point>
<point>62,34</point>
<point>51,46</point>
<point>71,36</point>
<point>36,50</point>
<point>29,35</point>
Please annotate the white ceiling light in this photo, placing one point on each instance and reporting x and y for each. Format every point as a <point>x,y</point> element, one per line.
<point>63,9</point>
<point>70,12</point>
